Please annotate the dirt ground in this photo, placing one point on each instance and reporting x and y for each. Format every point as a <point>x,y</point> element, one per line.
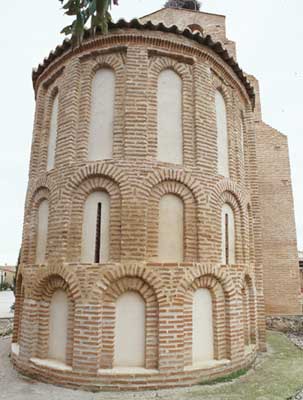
<point>277,376</point>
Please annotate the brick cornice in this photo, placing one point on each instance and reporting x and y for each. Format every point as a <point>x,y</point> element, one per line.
<point>124,33</point>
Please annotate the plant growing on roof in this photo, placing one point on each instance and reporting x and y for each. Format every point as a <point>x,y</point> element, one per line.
<point>97,11</point>
<point>187,4</point>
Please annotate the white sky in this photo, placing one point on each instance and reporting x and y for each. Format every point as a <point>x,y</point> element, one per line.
<point>268,34</point>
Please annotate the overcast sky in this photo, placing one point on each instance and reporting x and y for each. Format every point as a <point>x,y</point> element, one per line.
<point>268,34</point>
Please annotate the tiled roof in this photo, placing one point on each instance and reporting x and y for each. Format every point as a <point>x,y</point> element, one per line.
<point>136,24</point>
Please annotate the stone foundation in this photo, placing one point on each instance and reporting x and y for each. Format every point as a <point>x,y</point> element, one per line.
<point>286,323</point>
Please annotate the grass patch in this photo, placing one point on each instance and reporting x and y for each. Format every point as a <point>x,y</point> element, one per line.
<point>277,377</point>
<point>227,378</point>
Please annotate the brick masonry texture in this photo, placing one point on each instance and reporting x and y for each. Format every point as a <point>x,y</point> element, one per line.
<point>135,182</point>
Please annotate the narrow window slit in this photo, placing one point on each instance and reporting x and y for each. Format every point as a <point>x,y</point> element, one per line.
<point>226,240</point>
<point>98,234</point>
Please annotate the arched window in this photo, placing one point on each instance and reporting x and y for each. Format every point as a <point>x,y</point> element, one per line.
<point>170,137</point>
<point>52,140</point>
<point>228,235</point>
<point>222,135</point>
<point>58,326</point>
<point>95,231</point>
<point>171,229</point>
<point>203,336</point>
<point>100,143</point>
<point>42,230</point>
<point>130,331</point>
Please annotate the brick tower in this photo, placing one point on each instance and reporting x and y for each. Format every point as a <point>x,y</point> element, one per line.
<point>141,258</point>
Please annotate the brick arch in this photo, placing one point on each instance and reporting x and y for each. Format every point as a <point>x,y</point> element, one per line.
<point>219,86</point>
<point>227,185</point>
<point>79,193</point>
<point>110,296</point>
<point>128,270</point>
<point>50,284</point>
<point>98,168</point>
<point>230,199</point>
<point>249,310</point>
<point>240,225</point>
<point>227,94</point>
<point>90,65</point>
<point>158,64</point>
<point>110,61</point>
<point>226,192</point>
<point>43,182</point>
<point>200,270</point>
<point>190,241</point>
<point>168,174</point>
<point>52,91</point>
<point>220,323</point>
<point>42,190</point>
<point>43,276</point>
<point>46,287</point>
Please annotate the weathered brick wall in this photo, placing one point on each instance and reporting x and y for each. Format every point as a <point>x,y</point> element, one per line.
<point>211,24</point>
<point>135,181</point>
<point>279,245</point>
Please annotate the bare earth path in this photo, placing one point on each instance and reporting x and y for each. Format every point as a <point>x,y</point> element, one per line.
<point>278,376</point>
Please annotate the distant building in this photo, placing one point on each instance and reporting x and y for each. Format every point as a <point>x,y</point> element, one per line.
<point>7,274</point>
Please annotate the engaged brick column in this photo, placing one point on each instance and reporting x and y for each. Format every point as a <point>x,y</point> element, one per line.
<point>235,333</point>
<point>171,338</point>
<point>87,338</point>
<point>136,103</point>
<point>205,120</point>
<point>29,330</point>
<point>65,155</point>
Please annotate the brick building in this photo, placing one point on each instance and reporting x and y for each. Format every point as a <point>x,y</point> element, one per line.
<point>7,275</point>
<point>148,249</point>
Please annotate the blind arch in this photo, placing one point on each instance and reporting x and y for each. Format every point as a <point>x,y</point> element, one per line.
<point>169,104</point>
<point>171,229</point>
<point>100,142</point>
<point>203,335</point>
<point>130,330</point>
<point>222,135</point>
<point>58,326</point>
<point>42,231</point>
<point>52,140</point>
